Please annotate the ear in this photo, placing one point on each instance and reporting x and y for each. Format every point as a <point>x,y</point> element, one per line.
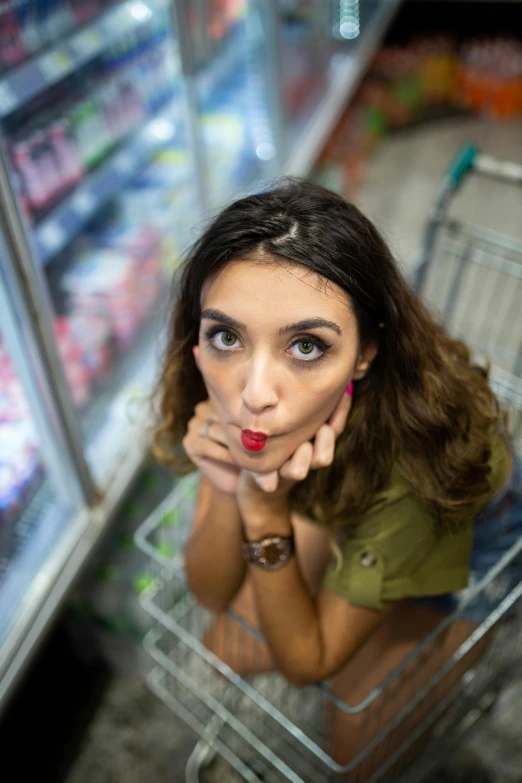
<point>195,353</point>
<point>366,357</point>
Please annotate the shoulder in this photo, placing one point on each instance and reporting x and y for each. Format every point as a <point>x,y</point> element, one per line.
<point>395,552</point>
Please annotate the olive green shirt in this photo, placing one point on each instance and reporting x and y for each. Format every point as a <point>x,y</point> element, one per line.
<point>396,552</point>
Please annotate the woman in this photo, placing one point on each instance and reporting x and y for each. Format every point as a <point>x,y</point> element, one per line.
<point>347,447</point>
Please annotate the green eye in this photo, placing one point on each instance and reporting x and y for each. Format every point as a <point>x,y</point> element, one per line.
<point>305,346</point>
<point>228,339</point>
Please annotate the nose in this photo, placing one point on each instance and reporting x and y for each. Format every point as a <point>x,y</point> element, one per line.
<point>259,391</point>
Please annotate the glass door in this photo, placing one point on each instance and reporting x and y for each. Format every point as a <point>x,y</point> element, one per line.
<point>95,143</point>
<point>233,80</point>
<point>324,49</point>
<point>306,46</point>
<point>40,498</point>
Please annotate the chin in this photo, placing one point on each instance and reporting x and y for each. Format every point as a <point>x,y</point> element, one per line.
<point>259,462</point>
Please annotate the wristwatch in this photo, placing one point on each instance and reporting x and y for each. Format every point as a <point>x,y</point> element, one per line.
<point>270,553</point>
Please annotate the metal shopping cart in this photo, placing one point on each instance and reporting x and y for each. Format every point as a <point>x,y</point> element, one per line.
<point>266,730</point>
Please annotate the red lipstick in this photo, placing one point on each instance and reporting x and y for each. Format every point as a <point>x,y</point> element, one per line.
<point>253,441</point>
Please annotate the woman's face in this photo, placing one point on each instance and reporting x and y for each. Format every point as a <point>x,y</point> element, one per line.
<point>278,345</point>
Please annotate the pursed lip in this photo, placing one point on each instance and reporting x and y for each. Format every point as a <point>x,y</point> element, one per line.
<point>255,435</point>
<point>253,441</point>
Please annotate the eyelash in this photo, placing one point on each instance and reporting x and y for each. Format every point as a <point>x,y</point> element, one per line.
<point>304,338</point>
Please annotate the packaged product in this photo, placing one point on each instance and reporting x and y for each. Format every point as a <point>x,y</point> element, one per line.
<point>66,153</point>
<point>75,370</point>
<point>142,246</point>
<point>102,283</point>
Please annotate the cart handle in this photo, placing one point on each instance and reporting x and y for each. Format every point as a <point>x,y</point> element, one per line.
<point>469,159</point>
<point>461,165</point>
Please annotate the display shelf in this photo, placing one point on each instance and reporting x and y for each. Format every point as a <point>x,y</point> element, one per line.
<point>37,74</point>
<point>310,134</point>
<point>60,545</point>
<point>66,220</point>
<point>122,397</point>
<point>18,573</point>
<point>212,76</point>
<point>28,582</point>
<point>21,525</point>
<point>74,540</point>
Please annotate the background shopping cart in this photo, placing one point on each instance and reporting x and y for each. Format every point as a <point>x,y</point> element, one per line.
<point>264,728</point>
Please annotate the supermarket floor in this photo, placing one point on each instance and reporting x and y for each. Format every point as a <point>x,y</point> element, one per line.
<point>129,735</point>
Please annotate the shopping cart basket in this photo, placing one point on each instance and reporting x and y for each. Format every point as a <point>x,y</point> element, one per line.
<point>265,729</point>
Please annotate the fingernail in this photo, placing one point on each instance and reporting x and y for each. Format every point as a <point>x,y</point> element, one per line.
<point>349,389</point>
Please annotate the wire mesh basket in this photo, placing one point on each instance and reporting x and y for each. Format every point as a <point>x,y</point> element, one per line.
<point>268,730</point>
<point>471,276</point>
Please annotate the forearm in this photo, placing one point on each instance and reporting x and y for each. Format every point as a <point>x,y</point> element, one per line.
<point>287,614</point>
<point>214,562</point>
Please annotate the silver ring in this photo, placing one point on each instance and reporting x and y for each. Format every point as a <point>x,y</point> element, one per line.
<point>208,424</point>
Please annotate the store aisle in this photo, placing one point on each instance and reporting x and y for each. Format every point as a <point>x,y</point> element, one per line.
<point>133,737</point>
<point>403,177</point>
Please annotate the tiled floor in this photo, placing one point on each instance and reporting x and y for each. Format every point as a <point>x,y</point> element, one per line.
<point>133,737</point>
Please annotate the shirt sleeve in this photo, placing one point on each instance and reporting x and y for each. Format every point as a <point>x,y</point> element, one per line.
<point>395,553</point>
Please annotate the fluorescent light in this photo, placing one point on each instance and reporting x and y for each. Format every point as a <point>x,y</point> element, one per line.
<point>140,11</point>
<point>163,129</point>
<point>265,150</point>
<point>350,29</point>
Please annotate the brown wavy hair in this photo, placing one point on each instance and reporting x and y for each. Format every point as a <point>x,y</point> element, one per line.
<point>423,407</point>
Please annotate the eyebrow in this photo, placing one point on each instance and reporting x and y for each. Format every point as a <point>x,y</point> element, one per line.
<point>307,323</point>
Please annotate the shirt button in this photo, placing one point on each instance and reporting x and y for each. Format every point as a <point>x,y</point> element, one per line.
<point>368,560</point>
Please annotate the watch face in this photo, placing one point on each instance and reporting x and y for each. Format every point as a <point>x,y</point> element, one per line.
<point>272,553</point>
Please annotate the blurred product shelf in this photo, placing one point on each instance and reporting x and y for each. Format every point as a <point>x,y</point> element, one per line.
<point>58,228</point>
<point>120,409</point>
<point>43,70</point>
<point>310,131</point>
<point>123,126</point>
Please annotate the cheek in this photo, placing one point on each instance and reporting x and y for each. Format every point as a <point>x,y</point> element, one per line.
<point>218,384</point>
<point>315,404</point>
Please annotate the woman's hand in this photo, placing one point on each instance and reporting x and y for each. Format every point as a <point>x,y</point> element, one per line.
<point>210,453</point>
<point>265,496</point>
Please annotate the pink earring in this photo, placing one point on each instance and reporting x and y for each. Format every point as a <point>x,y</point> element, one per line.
<point>349,389</point>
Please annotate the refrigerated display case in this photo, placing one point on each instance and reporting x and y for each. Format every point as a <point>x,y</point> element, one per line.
<point>345,35</point>
<point>99,203</point>
<point>269,81</point>
<point>41,503</point>
<point>124,125</point>
<point>232,76</point>
<point>98,161</point>
<point>307,46</point>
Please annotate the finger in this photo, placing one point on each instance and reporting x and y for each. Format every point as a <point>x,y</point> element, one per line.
<point>206,463</point>
<point>323,447</point>
<point>214,432</point>
<point>337,420</point>
<point>205,410</point>
<point>197,446</point>
<point>267,481</point>
<point>297,467</point>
